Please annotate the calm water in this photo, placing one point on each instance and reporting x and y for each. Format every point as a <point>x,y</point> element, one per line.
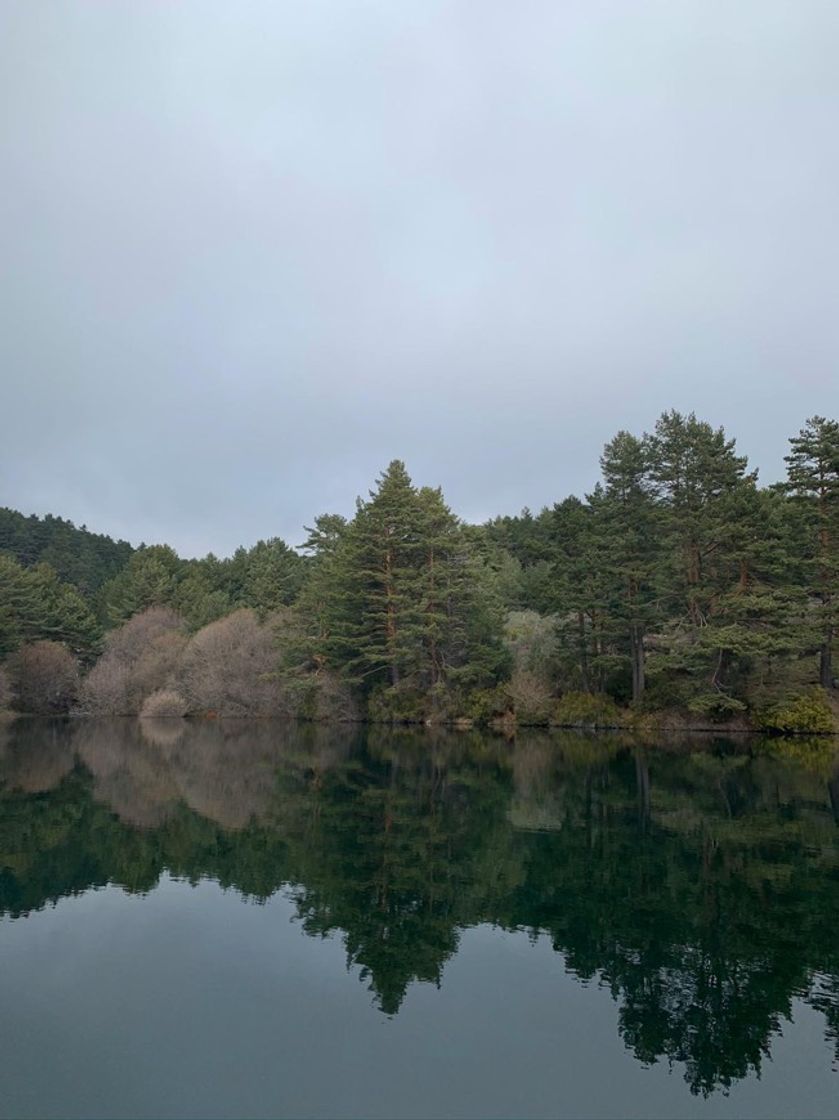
<point>257,920</point>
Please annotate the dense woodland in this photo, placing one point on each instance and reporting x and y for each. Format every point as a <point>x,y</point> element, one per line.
<point>680,585</point>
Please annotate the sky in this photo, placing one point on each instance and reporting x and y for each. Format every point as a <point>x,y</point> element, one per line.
<point>250,252</point>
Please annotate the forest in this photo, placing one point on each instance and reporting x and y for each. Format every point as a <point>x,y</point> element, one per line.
<point>679,592</point>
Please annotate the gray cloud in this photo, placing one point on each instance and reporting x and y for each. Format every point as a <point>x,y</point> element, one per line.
<point>251,252</point>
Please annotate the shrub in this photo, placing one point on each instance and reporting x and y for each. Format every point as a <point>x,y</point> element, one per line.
<point>45,678</point>
<point>715,705</point>
<point>164,702</point>
<point>809,714</point>
<point>320,697</point>
<point>586,709</point>
<point>481,704</point>
<point>398,704</point>
<point>140,657</point>
<point>230,668</point>
<point>530,697</point>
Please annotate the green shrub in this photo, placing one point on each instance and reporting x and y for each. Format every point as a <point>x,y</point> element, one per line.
<point>715,705</point>
<point>480,705</point>
<point>587,709</point>
<point>808,714</point>
<point>398,704</point>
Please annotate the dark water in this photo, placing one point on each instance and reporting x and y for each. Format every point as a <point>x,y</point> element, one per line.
<point>257,920</point>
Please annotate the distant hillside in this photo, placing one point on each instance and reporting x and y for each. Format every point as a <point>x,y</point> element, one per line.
<point>85,559</point>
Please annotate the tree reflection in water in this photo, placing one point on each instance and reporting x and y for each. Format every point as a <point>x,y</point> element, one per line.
<point>698,882</point>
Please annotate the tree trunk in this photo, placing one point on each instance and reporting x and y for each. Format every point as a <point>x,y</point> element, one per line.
<point>826,661</point>
<point>432,624</point>
<point>391,619</point>
<point>581,628</point>
<point>638,674</point>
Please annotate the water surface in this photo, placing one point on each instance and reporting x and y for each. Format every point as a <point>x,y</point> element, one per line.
<point>262,920</point>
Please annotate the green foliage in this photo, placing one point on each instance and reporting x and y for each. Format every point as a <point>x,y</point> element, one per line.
<point>479,705</point>
<point>677,583</point>
<point>586,709</point>
<point>149,579</point>
<point>813,482</point>
<point>36,605</point>
<point>715,705</point>
<point>78,557</point>
<point>398,704</point>
<point>808,714</point>
<point>400,602</point>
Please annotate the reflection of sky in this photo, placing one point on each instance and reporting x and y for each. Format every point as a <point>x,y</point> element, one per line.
<point>250,255</point>
<point>192,1002</point>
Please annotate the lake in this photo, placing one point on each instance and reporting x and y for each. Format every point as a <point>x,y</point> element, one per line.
<point>260,919</point>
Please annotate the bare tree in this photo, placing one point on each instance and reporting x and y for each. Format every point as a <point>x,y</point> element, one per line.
<point>140,658</point>
<point>45,678</point>
<point>230,668</point>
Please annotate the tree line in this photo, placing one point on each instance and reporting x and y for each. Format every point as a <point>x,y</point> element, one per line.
<point>678,585</point>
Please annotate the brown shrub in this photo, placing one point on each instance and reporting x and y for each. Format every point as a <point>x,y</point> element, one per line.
<point>140,658</point>
<point>164,702</point>
<point>230,666</point>
<point>530,696</point>
<point>131,640</point>
<point>45,677</point>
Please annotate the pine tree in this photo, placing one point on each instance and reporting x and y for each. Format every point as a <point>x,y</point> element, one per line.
<point>35,605</point>
<point>23,613</point>
<point>813,480</point>
<point>149,579</point>
<point>66,616</point>
<point>387,554</point>
<point>397,599</point>
<point>706,496</point>
<point>629,525</point>
<point>273,575</point>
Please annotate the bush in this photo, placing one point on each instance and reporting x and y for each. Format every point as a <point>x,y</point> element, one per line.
<point>165,702</point>
<point>808,714</point>
<point>715,705</point>
<point>230,668</point>
<point>530,697</point>
<point>45,678</point>
<point>320,697</point>
<point>398,704</point>
<point>140,658</point>
<point>587,709</point>
<point>481,704</point>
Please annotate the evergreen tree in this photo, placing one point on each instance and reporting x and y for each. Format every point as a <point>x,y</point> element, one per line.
<point>84,559</point>
<point>35,605</point>
<point>813,480</point>
<point>398,598</point>
<point>149,579</point>
<point>272,578</point>
<point>629,524</point>
<point>23,614</point>
<point>707,501</point>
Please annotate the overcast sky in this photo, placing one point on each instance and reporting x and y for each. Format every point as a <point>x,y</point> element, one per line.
<point>252,251</point>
